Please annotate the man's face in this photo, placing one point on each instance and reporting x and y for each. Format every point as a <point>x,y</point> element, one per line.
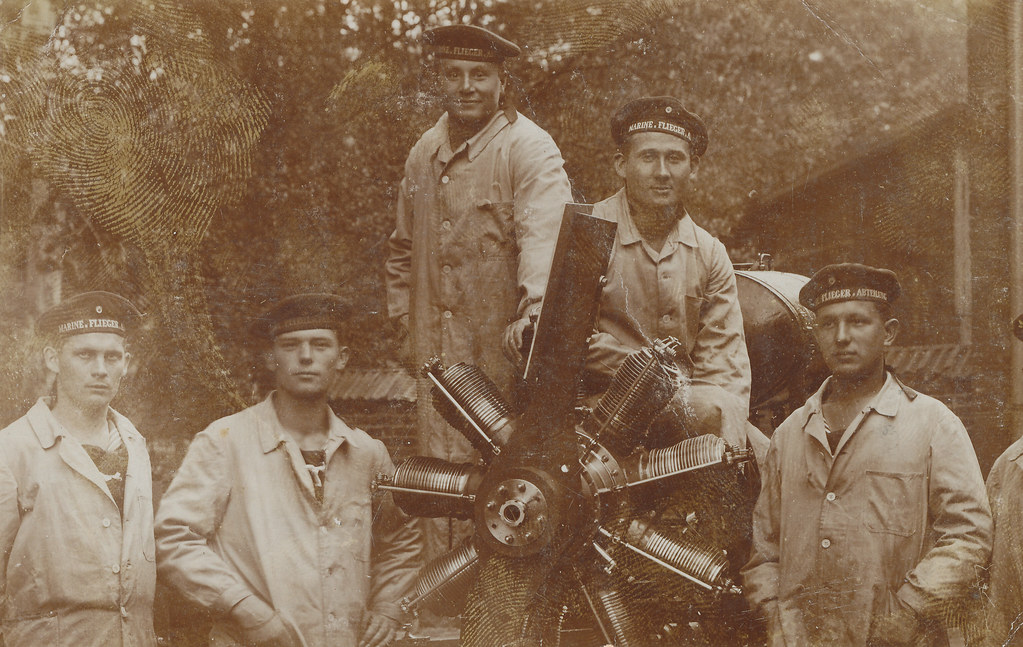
<point>306,362</point>
<point>852,336</point>
<point>89,368</point>
<point>656,168</point>
<point>472,90</point>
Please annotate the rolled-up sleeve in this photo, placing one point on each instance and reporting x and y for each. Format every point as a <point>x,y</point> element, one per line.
<point>190,513</point>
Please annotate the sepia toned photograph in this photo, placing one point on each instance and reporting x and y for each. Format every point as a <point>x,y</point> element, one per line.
<point>511,323</point>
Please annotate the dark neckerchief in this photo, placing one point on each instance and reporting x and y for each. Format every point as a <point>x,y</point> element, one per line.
<point>316,463</point>
<point>113,465</point>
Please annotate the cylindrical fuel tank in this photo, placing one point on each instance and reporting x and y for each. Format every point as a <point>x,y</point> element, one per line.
<point>779,337</point>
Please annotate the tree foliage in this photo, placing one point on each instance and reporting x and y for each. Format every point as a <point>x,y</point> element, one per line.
<point>281,129</point>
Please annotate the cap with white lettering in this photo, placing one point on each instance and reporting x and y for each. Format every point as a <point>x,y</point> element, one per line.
<point>850,282</point>
<point>89,312</point>
<point>660,115</point>
<point>469,43</point>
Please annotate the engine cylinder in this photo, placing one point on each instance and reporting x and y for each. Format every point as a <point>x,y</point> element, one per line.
<point>688,554</point>
<point>690,454</point>
<point>471,403</point>
<point>626,631</point>
<point>642,386</point>
<point>438,488</point>
<point>443,585</point>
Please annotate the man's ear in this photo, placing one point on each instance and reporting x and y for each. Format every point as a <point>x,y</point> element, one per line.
<point>694,166</point>
<point>50,359</point>
<point>891,330</point>
<point>127,362</point>
<point>619,163</point>
<point>342,358</point>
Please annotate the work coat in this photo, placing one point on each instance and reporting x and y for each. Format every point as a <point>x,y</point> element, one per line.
<point>1005,491</point>
<point>471,250</point>
<point>684,290</point>
<point>241,518</point>
<point>898,511</point>
<point>74,570</point>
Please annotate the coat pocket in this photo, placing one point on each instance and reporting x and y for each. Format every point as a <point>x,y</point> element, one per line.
<point>893,502</point>
<point>496,235</point>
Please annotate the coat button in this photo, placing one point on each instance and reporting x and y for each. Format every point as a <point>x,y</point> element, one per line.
<point>445,225</point>
<point>116,568</point>
<point>445,179</point>
<point>447,314</point>
<point>446,269</point>
<point>124,612</point>
<point>106,523</point>
<point>825,543</point>
<point>830,496</point>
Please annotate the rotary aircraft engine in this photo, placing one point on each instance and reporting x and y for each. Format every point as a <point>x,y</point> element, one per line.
<point>577,521</point>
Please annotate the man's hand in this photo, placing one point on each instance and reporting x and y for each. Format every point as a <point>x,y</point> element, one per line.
<point>513,337</point>
<point>900,627</point>
<point>262,626</point>
<point>379,631</point>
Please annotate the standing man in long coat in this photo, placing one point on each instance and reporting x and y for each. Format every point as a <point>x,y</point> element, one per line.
<point>77,558</point>
<point>271,522</point>
<point>872,526</point>
<point>479,211</point>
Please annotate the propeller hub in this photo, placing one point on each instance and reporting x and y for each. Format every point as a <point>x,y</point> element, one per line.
<point>516,514</point>
<point>519,511</point>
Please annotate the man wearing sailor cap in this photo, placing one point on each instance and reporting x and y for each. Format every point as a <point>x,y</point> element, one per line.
<point>77,559</point>
<point>271,522</point>
<point>670,277</point>
<point>479,211</point>
<point>872,526</point>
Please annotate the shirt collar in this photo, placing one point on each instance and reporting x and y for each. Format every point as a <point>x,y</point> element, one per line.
<point>684,231</point>
<point>475,144</point>
<point>885,402</point>
<point>47,429</point>
<point>272,433</point>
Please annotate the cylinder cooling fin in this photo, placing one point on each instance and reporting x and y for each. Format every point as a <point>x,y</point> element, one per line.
<point>687,555</point>
<point>433,487</point>
<point>689,455</point>
<point>531,503</point>
<point>444,583</point>
<point>611,604</point>
<point>641,387</point>
<point>471,403</point>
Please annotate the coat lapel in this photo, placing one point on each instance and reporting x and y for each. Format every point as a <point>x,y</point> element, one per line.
<point>273,437</point>
<point>49,433</point>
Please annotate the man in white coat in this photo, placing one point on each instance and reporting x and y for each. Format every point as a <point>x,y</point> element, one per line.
<point>77,558</point>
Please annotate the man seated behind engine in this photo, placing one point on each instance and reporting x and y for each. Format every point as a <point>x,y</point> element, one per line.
<point>667,275</point>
